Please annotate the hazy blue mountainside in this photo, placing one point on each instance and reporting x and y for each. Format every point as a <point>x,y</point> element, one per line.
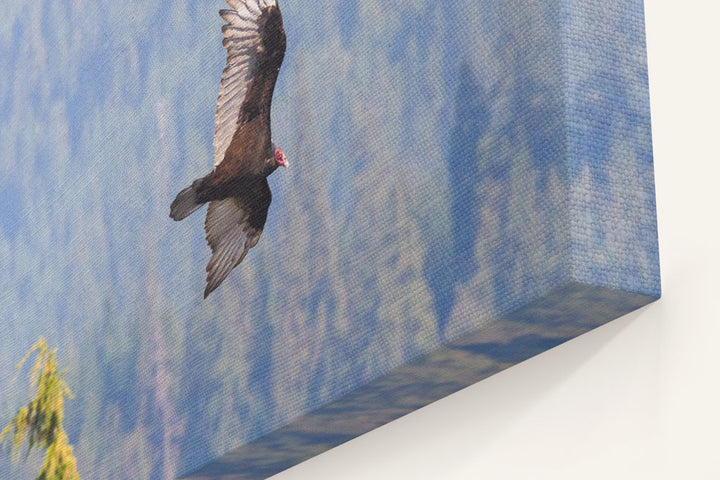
<point>401,216</point>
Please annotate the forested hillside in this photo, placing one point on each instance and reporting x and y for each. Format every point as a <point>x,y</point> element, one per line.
<point>423,138</point>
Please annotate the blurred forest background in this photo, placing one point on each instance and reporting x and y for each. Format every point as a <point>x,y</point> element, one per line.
<point>401,223</point>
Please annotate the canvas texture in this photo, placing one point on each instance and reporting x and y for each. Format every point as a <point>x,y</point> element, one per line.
<point>450,163</point>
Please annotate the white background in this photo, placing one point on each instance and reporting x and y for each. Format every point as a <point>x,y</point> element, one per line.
<point>638,398</point>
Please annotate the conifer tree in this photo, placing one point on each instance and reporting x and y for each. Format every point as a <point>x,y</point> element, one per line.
<point>40,421</point>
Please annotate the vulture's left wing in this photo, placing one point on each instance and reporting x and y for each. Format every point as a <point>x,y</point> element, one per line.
<point>233,227</point>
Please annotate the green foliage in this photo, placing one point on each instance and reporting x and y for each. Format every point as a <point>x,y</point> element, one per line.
<point>40,421</point>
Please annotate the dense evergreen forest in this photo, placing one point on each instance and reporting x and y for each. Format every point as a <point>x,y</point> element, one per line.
<point>422,199</point>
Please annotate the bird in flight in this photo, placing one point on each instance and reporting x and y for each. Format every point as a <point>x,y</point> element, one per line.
<point>237,188</point>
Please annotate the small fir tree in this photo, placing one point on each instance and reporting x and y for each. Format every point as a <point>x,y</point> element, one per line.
<point>40,421</point>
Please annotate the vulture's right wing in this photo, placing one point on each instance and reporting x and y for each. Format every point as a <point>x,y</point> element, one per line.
<point>246,59</point>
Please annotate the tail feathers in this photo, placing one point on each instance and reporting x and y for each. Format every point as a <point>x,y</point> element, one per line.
<point>185,203</point>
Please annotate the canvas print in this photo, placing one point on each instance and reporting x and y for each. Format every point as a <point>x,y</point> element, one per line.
<point>231,242</point>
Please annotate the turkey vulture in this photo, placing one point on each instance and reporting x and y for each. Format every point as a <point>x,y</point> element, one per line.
<point>237,188</point>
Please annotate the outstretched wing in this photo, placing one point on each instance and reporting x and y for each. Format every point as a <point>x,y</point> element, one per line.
<point>233,226</point>
<point>255,43</point>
